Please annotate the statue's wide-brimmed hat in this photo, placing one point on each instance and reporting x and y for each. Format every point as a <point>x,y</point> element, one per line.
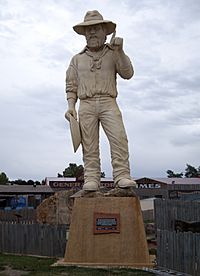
<point>93,18</point>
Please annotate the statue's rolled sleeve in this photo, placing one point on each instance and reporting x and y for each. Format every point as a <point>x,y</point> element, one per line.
<point>124,66</point>
<point>71,82</point>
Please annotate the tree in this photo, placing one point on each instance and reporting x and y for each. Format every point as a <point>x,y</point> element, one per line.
<point>19,182</point>
<point>30,182</point>
<point>191,171</point>
<point>170,174</point>
<point>73,170</point>
<point>3,179</point>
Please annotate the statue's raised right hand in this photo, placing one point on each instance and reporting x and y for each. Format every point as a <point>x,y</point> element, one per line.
<point>117,43</point>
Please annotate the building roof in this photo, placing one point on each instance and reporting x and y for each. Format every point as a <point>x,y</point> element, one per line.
<point>25,189</point>
<point>165,180</point>
<point>179,180</point>
<point>172,180</point>
<point>70,179</point>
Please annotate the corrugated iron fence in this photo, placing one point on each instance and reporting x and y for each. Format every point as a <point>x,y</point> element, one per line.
<point>24,214</point>
<point>33,239</point>
<point>177,250</point>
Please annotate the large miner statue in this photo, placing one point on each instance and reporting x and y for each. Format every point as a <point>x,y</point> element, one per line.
<point>91,78</point>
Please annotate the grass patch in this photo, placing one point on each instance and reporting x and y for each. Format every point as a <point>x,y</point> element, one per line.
<point>42,267</point>
<point>25,262</point>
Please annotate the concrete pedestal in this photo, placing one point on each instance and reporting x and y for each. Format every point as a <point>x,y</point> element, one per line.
<point>125,247</point>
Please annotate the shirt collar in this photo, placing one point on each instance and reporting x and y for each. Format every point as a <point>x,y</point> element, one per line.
<point>107,45</point>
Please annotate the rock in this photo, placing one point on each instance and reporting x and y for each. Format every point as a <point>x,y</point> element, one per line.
<point>118,192</point>
<point>56,209</point>
<point>83,193</point>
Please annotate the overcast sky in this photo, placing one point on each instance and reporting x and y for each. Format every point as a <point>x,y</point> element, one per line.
<point>160,104</point>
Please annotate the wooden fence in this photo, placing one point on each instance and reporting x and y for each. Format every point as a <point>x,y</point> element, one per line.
<point>178,251</point>
<point>168,211</point>
<point>24,214</point>
<point>33,239</point>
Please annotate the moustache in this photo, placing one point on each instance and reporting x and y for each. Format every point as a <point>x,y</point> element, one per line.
<point>92,36</point>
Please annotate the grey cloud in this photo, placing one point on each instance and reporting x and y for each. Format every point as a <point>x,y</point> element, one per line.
<point>164,90</point>
<point>34,134</point>
<point>187,139</point>
<point>184,116</point>
<point>6,31</point>
<point>5,14</point>
<point>186,134</point>
<point>55,53</point>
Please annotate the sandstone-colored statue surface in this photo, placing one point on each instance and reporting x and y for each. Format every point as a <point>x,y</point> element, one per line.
<point>91,78</point>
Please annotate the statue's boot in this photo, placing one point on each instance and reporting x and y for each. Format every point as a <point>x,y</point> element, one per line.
<point>126,183</point>
<point>91,186</point>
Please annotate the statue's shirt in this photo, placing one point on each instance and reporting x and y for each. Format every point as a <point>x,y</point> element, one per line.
<point>93,74</point>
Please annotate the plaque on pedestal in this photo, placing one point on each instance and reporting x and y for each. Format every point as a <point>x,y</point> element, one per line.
<point>106,223</point>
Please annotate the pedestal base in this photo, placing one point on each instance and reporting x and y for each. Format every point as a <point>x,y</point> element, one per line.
<point>127,247</point>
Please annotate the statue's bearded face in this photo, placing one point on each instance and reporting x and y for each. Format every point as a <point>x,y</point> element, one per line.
<point>95,36</point>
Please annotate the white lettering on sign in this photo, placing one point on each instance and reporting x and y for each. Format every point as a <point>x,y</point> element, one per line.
<point>59,184</point>
<point>143,186</point>
<point>157,186</point>
<point>149,186</point>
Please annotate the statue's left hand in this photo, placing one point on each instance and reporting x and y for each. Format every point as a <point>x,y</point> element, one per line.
<point>72,112</point>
